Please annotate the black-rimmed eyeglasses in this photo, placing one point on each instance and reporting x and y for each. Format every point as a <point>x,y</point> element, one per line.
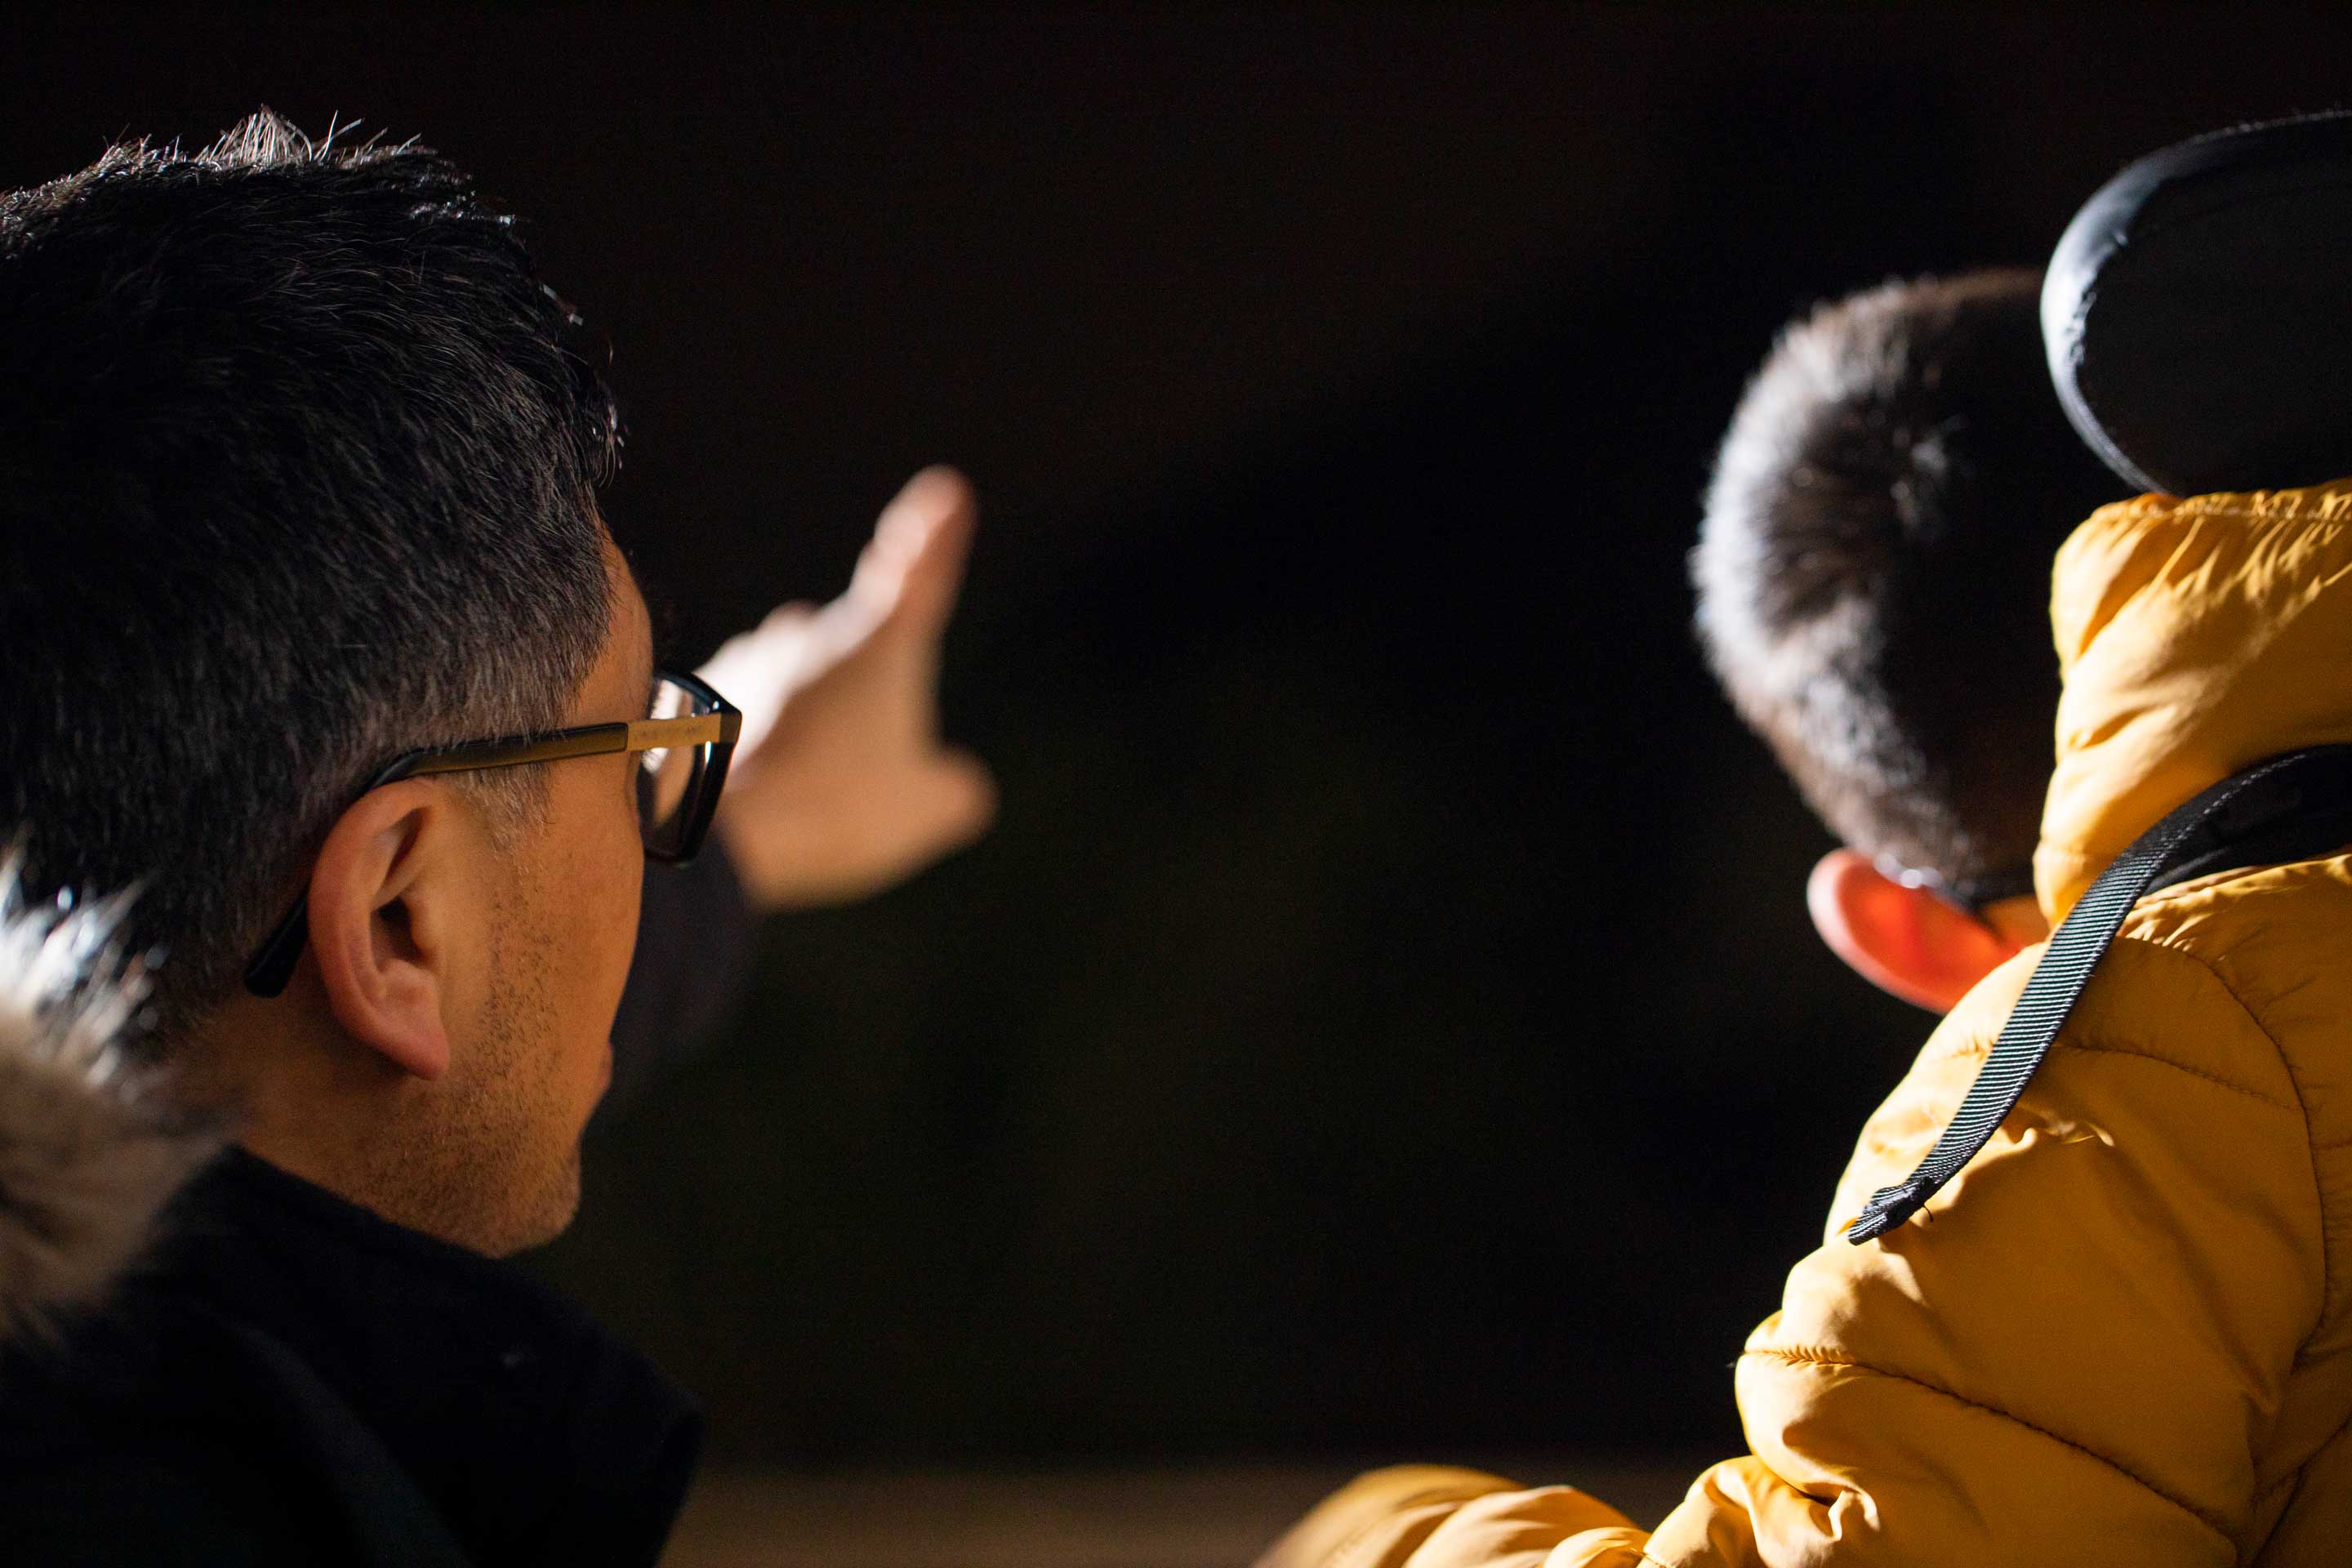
<point>682,751</point>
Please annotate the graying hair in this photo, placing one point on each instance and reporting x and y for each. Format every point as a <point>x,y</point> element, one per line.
<point>297,461</point>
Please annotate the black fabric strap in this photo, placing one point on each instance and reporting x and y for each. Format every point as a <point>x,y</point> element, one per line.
<point>2277,804</point>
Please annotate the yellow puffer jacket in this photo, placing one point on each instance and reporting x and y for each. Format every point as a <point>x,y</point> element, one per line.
<point>2124,1334</point>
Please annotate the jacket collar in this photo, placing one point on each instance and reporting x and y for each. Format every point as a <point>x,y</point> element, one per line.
<point>2196,637</point>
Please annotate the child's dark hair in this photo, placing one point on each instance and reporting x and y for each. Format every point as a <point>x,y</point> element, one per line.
<point>1873,569</point>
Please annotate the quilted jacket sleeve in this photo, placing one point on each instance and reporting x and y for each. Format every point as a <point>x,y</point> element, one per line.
<point>2071,1356</point>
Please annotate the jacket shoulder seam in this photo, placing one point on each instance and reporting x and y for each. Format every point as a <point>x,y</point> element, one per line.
<point>1815,1356</point>
<point>2071,1038</point>
<point>2088,1048</point>
<point>2206,966</point>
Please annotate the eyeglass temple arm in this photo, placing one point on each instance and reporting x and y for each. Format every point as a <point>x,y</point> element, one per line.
<point>272,968</point>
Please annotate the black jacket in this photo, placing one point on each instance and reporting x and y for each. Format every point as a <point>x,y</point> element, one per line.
<point>242,1368</point>
<point>293,1380</point>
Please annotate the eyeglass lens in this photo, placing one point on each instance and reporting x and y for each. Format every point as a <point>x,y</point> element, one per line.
<point>669,778</point>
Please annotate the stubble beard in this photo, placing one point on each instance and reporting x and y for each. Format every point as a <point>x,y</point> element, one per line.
<point>491,1161</point>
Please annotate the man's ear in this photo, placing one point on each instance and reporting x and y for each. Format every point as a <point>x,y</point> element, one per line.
<point>1905,941</point>
<point>378,923</point>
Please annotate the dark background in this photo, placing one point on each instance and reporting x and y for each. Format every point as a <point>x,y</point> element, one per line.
<point>1383,1019</point>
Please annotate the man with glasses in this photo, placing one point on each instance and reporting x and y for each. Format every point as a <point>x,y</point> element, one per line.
<point>317,640</point>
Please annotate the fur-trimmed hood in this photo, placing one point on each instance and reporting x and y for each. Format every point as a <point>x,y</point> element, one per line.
<point>92,1146</point>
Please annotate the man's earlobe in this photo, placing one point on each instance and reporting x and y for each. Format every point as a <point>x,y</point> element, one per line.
<point>1905,941</point>
<point>376,927</point>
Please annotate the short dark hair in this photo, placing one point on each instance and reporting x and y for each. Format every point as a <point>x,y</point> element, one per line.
<point>298,466</point>
<point>1873,569</point>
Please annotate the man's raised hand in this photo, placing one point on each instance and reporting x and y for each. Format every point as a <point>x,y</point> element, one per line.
<point>841,785</point>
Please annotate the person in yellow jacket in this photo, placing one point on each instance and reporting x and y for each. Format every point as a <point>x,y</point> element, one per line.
<point>2122,1334</point>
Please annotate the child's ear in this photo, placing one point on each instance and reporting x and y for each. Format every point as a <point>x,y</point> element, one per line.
<point>1905,941</point>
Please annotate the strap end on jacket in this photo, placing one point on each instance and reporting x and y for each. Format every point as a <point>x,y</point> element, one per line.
<point>1888,1207</point>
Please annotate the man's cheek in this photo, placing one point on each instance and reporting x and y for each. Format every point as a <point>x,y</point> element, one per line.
<point>624,891</point>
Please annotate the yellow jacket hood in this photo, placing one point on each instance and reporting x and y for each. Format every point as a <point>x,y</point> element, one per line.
<point>2196,637</point>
